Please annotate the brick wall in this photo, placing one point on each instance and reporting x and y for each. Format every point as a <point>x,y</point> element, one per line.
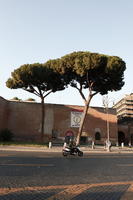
<point>24,119</point>
<point>3,113</point>
<point>96,120</point>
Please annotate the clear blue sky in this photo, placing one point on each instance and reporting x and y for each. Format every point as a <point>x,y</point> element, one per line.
<point>37,30</point>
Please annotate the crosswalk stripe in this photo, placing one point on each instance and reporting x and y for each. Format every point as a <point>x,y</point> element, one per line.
<point>128,195</point>
<point>70,192</point>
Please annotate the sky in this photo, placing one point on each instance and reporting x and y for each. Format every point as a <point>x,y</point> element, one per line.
<point>38,30</point>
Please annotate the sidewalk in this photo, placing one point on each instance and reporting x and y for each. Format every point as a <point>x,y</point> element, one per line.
<point>85,149</point>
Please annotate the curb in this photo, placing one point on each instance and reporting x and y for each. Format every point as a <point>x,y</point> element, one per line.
<point>59,149</point>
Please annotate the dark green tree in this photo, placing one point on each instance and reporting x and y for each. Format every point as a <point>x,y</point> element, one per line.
<point>95,72</point>
<point>37,79</point>
<point>16,99</point>
<point>30,99</point>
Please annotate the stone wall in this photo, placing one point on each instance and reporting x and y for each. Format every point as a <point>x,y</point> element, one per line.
<point>3,113</point>
<point>24,120</point>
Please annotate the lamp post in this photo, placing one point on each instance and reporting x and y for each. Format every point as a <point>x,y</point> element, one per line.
<point>106,105</point>
<point>130,123</point>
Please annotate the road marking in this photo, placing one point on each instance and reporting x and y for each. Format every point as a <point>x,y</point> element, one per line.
<point>125,165</point>
<point>128,194</point>
<point>75,190</point>
<point>107,156</point>
<point>70,191</point>
<point>27,165</point>
<point>36,188</point>
<point>5,155</point>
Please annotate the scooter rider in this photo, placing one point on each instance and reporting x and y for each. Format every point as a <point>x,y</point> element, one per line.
<point>71,149</point>
<point>72,145</point>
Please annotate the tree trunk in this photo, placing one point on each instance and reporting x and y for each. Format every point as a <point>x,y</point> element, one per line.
<point>87,103</point>
<point>42,120</point>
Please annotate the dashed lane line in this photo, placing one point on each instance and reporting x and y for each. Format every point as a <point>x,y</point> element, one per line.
<point>125,165</point>
<point>27,165</point>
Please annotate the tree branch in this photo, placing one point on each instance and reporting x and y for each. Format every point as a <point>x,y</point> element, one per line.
<point>47,93</point>
<point>34,92</point>
<point>81,93</point>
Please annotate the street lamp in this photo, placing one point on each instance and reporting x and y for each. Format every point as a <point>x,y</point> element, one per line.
<point>130,122</point>
<point>106,106</point>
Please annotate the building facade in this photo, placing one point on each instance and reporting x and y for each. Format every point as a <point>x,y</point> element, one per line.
<point>124,107</point>
<point>124,110</point>
<point>24,120</point>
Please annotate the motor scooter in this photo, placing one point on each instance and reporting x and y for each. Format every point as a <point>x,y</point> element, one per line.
<point>67,150</point>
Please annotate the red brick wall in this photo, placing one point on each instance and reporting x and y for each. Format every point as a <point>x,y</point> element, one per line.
<point>3,113</point>
<point>95,120</point>
<point>24,119</point>
<point>127,130</point>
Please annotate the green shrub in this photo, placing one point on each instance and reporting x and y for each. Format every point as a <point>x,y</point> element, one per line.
<point>6,135</point>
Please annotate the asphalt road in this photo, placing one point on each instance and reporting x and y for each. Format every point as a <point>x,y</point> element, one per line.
<point>38,175</point>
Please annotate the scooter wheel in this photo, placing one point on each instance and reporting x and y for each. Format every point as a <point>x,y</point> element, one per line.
<point>80,153</point>
<point>64,154</point>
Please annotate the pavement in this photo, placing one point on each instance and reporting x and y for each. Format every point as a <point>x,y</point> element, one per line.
<point>95,191</point>
<point>85,149</point>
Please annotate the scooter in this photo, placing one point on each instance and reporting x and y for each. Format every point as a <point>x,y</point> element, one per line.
<point>72,151</point>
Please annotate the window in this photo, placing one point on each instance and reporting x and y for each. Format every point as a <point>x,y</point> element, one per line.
<point>54,134</point>
<point>97,136</point>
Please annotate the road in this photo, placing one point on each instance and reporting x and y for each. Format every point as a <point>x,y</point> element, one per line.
<point>40,176</point>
